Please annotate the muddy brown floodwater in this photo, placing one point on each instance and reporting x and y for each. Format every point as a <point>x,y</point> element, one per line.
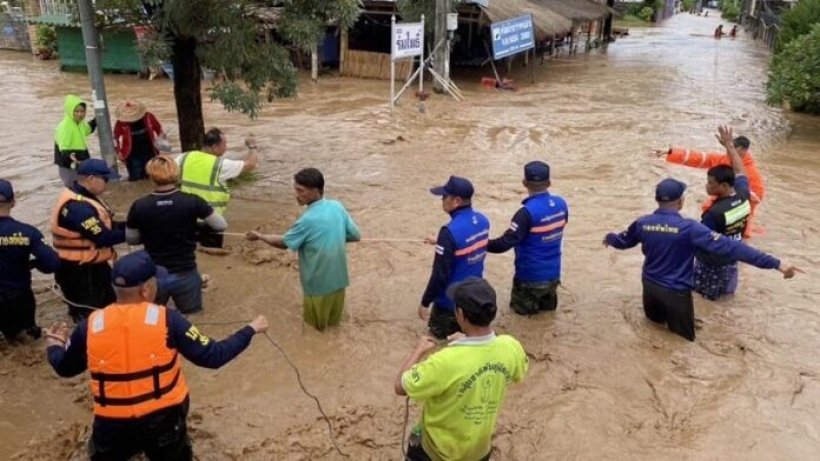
<point>603,383</point>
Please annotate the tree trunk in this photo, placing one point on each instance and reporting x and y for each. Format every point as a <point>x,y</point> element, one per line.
<point>187,93</point>
<point>608,22</point>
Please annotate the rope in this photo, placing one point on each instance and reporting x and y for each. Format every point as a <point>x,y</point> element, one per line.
<point>715,80</point>
<point>404,426</point>
<point>306,392</point>
<point>56,290</point>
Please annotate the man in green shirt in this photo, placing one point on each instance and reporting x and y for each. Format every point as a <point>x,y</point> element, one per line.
<point>319,236</point>
<point>463,385</point>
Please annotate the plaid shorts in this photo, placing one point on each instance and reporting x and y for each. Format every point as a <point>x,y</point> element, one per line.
<point>712,282</point>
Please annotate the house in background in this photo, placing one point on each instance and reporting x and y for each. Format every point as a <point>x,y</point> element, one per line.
<point>762,18</point>
<point>119,44</point>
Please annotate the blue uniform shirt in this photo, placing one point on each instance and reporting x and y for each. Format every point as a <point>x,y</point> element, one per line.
<point>18,243</point>
<point>668,241</point>
<point>536,233</point>
<point>182,336</point>
<point>460,252</point>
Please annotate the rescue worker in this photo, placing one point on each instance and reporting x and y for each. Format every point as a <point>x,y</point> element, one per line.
<point>70,135</point>
<point>166,223</point>
<point>84,233</point>
<point>461,247</point>
<point>715,275</point>
<point>669,241</point>
<point>463,385</point>
<point>536,233</point>
<point>206,172</point>
<point>18,243</point>
<point>700,159</point>
<point>131,350</point>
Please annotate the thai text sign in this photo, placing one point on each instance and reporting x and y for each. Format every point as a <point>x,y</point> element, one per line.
<point>512,36</point>
<point>408,40</point>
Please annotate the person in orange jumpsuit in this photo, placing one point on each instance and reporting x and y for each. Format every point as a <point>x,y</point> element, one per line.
<point>706,160</point>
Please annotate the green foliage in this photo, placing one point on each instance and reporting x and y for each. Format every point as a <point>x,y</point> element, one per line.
<point>154,49</point>
<point>303,22</point>
<point>795,74</point>
<point>658,5</point>
<point>46,38</point>
<point>646,13</point>
<point>731,10</point>
<point>797,21</point>
<point>688,5</point>
<point>411,10</point>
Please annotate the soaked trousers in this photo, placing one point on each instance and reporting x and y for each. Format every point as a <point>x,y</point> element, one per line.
<point>161,436</point>
<point>442,322</point>
<point>86,284</point>
<point>531,298</point>
<point>672,307</point>
<point>17,309</point>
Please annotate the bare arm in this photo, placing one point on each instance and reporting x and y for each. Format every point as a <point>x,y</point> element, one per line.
<point>273,240</point>
<point>726,138</point>
<point>253,159</point>
<point>425,345</point>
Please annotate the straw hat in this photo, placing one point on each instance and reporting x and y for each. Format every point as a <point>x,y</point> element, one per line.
<point>130,111</point>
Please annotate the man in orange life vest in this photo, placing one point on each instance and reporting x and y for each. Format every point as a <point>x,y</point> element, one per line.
<point>706,160</point>
<point>131,349</point>
<point>84,234</point>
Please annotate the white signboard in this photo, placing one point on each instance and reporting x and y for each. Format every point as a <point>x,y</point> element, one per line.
<point>408,40</point>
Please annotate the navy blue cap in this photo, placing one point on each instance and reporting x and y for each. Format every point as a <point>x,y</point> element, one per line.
<point>537,171</point>
<point>669,190</point>
<point>473,293</point>
<point>134,269</point>
<point>456,186</point>
<point>95,167</point>
<point>6,191</point>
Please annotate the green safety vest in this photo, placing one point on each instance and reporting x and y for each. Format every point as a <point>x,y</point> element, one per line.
<point>199,174</point>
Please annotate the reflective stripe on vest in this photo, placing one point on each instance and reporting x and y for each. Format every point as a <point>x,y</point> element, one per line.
<point>133,372</point>
<point>538,256</point>
<point>471,233</point>
<point>199,173</point>
<point>71,245</point>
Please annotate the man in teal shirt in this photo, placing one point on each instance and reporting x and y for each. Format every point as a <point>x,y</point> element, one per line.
<point>319,236</point>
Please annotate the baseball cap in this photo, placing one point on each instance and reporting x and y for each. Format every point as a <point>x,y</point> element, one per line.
<point>6,191</point>
<point>134,269</point>
<point>473,294</point>
<point>95,167</point>
<point>456,186</point>
<point>537,171</point>
<point>669,190</point>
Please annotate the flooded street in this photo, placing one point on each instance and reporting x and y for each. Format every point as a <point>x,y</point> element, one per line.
<point>604,383</point>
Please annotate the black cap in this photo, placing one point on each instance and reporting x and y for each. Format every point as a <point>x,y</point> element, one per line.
<point>473,294</point>
<point>6,191</point>
<point>456,186</point>
<point>537,171</point>
<point>669,190</point>
<point>134,269</point>
<point>95,167</point>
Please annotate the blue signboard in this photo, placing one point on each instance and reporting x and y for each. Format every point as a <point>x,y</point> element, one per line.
<point>512,36</point>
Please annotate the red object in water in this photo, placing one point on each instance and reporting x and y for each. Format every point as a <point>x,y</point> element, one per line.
<point>422,95</point>
<point>488,82</point>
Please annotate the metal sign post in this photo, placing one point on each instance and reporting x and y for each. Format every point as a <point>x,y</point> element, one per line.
<point>407,42</point>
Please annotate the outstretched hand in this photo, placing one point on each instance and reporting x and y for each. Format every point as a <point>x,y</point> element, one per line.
<point>789,270</point>
<point>724,135</point>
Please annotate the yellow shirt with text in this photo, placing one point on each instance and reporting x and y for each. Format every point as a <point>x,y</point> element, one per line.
<point>462,388</point>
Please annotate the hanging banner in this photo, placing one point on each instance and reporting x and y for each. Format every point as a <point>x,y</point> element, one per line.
<point>408,40</point>
<point>512,36</point>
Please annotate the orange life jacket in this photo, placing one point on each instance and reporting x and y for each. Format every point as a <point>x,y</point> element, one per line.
<point>700,159</point>
<point>71,245</point>
<point>133,372</point>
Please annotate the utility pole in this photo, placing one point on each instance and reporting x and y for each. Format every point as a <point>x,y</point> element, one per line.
<point>98,97</point>
<point>441,62</point>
